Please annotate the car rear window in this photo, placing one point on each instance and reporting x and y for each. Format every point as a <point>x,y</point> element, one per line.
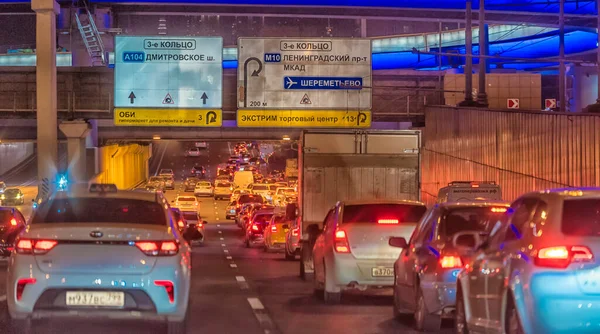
<point>203,184</point>
<point>100,210</point>
<point>462,219</point>
<point>186,199</point>
<point>372,213</point>
<point>581,217</point>
<point>224,184</point>
<point>250,199</point>
<point>259,187</point>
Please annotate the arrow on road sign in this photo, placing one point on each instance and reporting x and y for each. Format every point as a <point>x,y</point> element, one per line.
<point>131,97</point>
<point>255,73</point>
<point>550,103</point>
<point>204,97</point>
<point>168,99</point>
<point>512,103</point>
<point>305,100</point>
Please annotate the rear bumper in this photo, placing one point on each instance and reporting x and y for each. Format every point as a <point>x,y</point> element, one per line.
<point>347,270</point>
<point>203,193</point>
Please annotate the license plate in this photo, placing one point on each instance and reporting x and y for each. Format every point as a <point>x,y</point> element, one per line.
<point>95,298</point>
<point>382,272</point>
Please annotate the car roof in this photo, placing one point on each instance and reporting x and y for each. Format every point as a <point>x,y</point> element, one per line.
<point>185,196</point>
<point>572,192</point>
<point>381,201</point>
<point>473,203</point>
<point>82,191</point>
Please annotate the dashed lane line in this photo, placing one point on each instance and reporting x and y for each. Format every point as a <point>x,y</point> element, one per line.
<point>223,245</point>
<point>233,265</point>
<point>225,251</point>
<point>229,257</point>
<point>262,316</point>
<point>221,239</point>
<point>220,232</point>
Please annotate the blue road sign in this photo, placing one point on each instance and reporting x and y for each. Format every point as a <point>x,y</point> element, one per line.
<point>324,83</point>
<point>272,57</point>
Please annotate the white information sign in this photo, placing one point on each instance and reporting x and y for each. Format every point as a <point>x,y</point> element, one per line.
<point>304,73</point>
<point>168,72</point>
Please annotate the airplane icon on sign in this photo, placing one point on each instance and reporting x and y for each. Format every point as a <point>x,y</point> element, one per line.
<point>290,82</point>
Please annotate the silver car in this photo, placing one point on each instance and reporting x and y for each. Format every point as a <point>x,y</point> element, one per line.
<point>425,273</point>
<point>353,250</point>
<point>538,272</point>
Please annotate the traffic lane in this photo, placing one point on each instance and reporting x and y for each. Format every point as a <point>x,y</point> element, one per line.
<point>293,306</point>
<point>217,304</point>
<point>29,193</point>
<point>210,209</point>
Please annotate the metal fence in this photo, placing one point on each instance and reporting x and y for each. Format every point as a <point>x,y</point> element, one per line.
<point>522,151</point>
<point>66,102</point>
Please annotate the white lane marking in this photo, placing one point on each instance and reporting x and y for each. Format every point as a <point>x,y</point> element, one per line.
<point>217,218</point>
<point>233,265</point>
<point>240,279</point>
<point>218,225</point>
<point>223,245</point>
<point>229,257</point>
<point>225,251</point>
<point>221,238</point>
<point>220,232</point>
<point>255,304</point>
<point>2,298</point>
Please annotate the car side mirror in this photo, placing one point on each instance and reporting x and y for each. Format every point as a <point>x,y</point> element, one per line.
<point>398,242</point>
<point>173,201</point>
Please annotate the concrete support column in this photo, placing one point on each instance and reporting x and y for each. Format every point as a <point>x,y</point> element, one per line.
<point>468,102</point>
<point>482,99</point>
<point>562,92</point>
<point>595,107</point>
<point>76,133</point>
<point>363,28</point>
<point>47,133</point>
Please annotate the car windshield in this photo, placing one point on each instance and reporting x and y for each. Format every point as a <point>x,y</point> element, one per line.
<point>460,219</point>
<point>373,213</point>
<point>581,217</point>
<point>203,184</point>
<point>260,187</point>
<point>250,199</point>
<point>100,210</point>
<point>12,192</point>
<point>223,184</point>
<point>186,199</point>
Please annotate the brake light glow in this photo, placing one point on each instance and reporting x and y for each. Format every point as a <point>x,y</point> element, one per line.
<point>27,246</point>
<point>254,227</point>
<point>474,186</point>
<point>13,222</point>
<point>499,209</point>
<point>562,256</point>
<point>180,223</point>
<point>341,244</point>
<point>296,232</point>
<point>448,262</point>
<point>274,228</point>
<point>169,288</point>
<point>21,284</point>
<point>158,248</point>
<point>387,221</point>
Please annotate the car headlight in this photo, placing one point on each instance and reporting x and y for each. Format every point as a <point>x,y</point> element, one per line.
<point>3,197</point>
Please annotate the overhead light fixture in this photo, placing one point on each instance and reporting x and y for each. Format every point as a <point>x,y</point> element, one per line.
<point>156,137</point>
<point>286,137</point>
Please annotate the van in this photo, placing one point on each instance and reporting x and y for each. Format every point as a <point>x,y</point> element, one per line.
<point>242,179</point>
<point>457,191</point>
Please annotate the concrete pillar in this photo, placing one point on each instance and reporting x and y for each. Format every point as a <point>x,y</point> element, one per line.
<point>76,133</point>
<point>468,102</point>
<point>482,99</point>
<point>363,28</point>
<point>47,140</point>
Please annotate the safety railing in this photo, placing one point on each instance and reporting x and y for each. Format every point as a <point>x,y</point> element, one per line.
<point>66,102</point>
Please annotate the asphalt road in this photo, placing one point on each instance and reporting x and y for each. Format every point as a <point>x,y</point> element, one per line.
<point>241,290</point>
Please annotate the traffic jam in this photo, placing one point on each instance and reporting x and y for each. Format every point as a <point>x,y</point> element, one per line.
<point>349,223</point>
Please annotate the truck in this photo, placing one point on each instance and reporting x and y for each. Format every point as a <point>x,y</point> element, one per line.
<point>349,165</point>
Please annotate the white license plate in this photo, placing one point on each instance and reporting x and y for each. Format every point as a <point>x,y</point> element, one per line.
<point>382,272</point>
<point>95,298</point>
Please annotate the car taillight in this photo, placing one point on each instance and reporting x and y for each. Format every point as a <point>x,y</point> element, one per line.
<point>387,221</point>
<point>27,246</point>
<point>452,261</point>
<point>562,256</point>
<point>13,222</point>
<point>21,284</point>
<point>158,248</point>
<point>296,232</point>
<point>274,228</point>
<point>499,210</point>
<point>180,223</point>
<point>341,244</point>
<point>169,288</point>
<point>254,227</point>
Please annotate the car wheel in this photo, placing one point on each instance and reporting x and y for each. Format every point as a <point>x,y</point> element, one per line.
<point>425,321</point>
<point>178,327</point>
<point>460,321</point>
<point>513,323</point>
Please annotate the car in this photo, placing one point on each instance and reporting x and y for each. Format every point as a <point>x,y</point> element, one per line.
<point>12,223</point>
<point>199,172</point>
<point>457,191</point>
<point>243,165</point>
<point>275,232</point>
<point>166,171</point>
<point>204,188</point>
<point>292,240</point>
<point>169,181</point>
<point>157,182</point>
<point>2,187</point>
<point>443,241</point>
<point>282,194</point>
<point>186,203</point>
<point>537,272</point>
<point>190,183</point>
<point>231,210</point>
<point>255,228</point>
<point>224,172</point>
<point>193,152</point>
<point>12,196</point>
<point>194,225</point>
<point>266,190</point>
<point>86,253</point>
<point>353,250</point>
<point>223,189</point>
<point>245,157</point>
<point>201,144</point>
<point>236,193</point>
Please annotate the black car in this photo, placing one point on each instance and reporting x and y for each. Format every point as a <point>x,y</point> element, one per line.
<point>190,183</point>
<point>199,171</point>
<point>12,223</point>
<point>12,196</point>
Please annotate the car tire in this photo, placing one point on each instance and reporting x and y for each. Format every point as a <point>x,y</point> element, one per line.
<point>512,322</point>
<point>179,327</point>
<point>425,321</point>
<point>460,318</point>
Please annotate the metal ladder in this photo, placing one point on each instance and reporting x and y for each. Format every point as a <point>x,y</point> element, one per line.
<point>90,35</point>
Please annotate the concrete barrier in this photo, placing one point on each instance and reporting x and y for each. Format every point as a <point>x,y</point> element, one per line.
<point>124,165</point>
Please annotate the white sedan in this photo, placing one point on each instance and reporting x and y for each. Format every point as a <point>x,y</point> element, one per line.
<point>193,152</point>
<point>204,188</point>
<point>100,253</point>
